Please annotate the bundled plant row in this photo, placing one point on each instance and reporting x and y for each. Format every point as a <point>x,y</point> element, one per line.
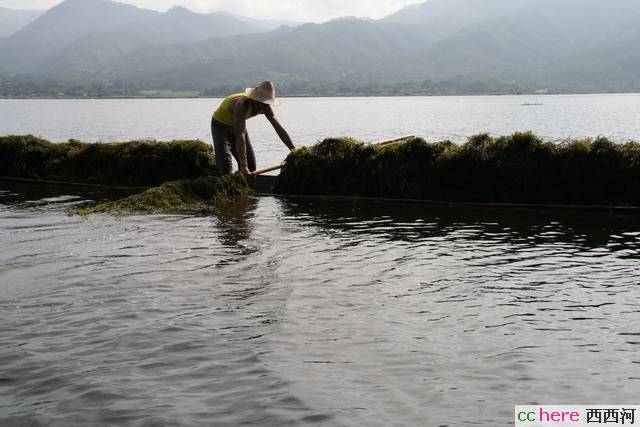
<point>185,196</point>
<point>520,168</point>
<point>181,174</point>
<point>135,163</point>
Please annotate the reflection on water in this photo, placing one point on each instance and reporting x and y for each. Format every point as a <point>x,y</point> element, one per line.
<point>278,312</point>
<point>234,223</point>
<point>508,225</point>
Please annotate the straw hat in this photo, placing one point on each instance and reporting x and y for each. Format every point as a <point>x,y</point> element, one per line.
<point>265,92</point>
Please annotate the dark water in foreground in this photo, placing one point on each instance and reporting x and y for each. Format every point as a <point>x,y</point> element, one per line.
<point>287,312</point>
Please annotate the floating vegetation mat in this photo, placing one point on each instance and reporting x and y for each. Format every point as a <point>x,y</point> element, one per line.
<point>520,168</point>
<point>178,197</point>
<point>182,174</point>
<point>134,164</point>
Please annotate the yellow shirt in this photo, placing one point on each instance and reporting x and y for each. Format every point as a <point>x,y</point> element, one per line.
<point>224,115</point>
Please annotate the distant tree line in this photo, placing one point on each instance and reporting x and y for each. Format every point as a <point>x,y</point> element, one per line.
<point>18,87</point>
<point>458,85</point>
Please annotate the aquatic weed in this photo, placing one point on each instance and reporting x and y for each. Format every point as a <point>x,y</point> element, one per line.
<point>520,168</point>
<point>134,163</point>
<point>177,197</point>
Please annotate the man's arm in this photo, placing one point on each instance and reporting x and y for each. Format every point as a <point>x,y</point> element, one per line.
<point>282,133</point>
<point>240,125</point>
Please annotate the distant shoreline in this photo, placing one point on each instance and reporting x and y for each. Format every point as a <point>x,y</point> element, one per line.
<point>182,96</point>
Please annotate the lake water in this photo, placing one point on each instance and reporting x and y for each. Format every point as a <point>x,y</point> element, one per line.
<point>280,312</point>
<point>309,120</point>
<point>276,311</point>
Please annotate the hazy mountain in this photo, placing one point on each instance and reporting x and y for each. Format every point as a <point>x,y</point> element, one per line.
<point>143,63</point>
<point>614,66</point>
<point>564,45</point>
<point>529,45</point>
<point>12,20</point>
<point>62,25</point>
<point>178,25</point>
<point>265,24</point>
<point>445,17</point>
<point>340,49</point>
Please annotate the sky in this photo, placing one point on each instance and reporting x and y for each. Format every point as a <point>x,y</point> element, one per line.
<point>293,10</point>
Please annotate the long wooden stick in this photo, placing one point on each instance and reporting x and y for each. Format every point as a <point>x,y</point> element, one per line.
<point>269,169</point>
<point>393,141</point>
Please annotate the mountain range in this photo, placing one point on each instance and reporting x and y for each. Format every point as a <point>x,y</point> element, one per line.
<point>12,20</point>
<point>432,47</point>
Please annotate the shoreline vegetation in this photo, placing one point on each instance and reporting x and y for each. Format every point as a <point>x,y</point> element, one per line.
<point>195,95</point>
<point>53,90</point>
<point>25,88</point>
<point>519,169</point>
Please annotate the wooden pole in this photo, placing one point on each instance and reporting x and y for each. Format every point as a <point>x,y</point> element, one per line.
<point>393,141</point>
<point>265,170</point>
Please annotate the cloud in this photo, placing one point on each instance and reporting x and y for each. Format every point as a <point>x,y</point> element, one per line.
<point>294,10</point>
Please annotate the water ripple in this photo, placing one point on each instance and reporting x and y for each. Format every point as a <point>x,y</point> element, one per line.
<point>276,312</point>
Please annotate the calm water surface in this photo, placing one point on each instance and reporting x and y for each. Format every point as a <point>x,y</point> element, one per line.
<point>311,119</point>
<point>280,312</point>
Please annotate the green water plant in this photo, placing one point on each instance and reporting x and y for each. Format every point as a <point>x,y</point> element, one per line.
<point>181,174</point>
<point>177,197</point>
<point>134,163</point>
<point>520,168</point>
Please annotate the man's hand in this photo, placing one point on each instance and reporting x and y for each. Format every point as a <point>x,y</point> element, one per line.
<point>251,179</point>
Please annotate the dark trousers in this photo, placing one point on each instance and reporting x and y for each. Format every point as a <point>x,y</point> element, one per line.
<point>224,145</point>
